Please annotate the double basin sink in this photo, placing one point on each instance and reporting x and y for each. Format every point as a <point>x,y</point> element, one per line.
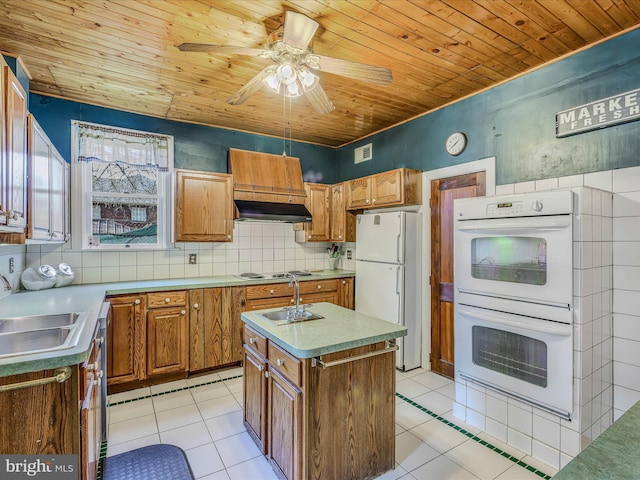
<point>40,333</point>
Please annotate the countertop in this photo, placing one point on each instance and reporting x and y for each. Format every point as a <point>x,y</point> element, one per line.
<point>341,329</point>
<point>89,298</point>
<point>611,456</point>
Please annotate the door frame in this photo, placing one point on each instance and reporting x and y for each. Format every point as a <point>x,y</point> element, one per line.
<point>487,165</point>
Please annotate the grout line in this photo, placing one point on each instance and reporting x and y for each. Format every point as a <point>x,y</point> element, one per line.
<point>475,438</point>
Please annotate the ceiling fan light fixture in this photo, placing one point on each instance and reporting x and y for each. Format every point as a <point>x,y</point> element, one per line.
<point>307,79</point>
<point>286,73</point>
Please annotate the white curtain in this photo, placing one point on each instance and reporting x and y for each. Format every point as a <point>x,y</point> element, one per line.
<point>112,145</point>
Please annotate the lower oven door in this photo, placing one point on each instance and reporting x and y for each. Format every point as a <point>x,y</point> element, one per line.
<point>530,359</point>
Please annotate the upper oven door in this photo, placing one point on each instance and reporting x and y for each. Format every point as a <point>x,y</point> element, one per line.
<point>527,258</point>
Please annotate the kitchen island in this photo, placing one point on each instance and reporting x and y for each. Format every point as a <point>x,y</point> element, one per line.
<point>319,395</point>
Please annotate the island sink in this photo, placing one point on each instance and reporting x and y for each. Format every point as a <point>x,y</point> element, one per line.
<point>283,317</point>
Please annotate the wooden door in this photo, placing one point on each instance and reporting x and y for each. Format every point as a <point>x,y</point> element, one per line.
<point>255,398</point>
<point>358,193</point>
<point>16,149</point>
<point>443,192</point>
<point>285,426</point>
<point>125,339</point>
<point>167,340</point>
<point>318,203</point>
<point>204,207</point>
<point>387,188</point>
<point>346,292</point>
<point>343,222</point>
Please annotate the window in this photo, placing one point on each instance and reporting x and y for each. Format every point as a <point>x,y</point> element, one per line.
<point>122,188</point>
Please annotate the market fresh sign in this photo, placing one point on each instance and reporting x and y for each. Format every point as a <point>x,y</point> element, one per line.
<point>599,114</point>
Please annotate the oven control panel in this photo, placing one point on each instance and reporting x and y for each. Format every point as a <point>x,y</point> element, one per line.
<point>517,205</point>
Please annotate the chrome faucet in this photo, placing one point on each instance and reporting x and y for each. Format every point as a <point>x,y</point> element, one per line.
<point>5,282</point>
<point>294,279</point>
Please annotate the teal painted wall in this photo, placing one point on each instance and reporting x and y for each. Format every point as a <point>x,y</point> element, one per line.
<point>197,147</point>
<point>515,122</point>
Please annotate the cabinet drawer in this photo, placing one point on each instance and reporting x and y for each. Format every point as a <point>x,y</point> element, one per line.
<point>289,366</point>
<point>270,290</point>
<point>255,341</point>
<point>164,299</point>
<point>318,286</point>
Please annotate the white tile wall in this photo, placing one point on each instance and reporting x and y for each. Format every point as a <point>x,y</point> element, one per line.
<point>256,247</point>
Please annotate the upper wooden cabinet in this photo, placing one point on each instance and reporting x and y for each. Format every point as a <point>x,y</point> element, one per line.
<point>318,202</point>
<point>13,169</point>
<point>204,207</point>
<point>402,186</point>
<point>343,222</point>
<point>48,198</point>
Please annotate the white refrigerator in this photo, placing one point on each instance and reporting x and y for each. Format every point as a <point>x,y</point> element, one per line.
<point>388,276</point>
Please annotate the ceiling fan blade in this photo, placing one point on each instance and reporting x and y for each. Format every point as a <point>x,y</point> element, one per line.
<point>251,87</point>
<point>319,99</point>
<point>204,47</point>
<point>346,68</point>
<point>298,30</point>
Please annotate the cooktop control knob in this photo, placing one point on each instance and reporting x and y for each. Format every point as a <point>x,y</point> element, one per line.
<point>536,206</point>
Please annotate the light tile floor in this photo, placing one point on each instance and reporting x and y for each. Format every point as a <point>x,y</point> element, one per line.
<point>206,422</point>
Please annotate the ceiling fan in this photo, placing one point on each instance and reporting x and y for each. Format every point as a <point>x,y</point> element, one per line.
<point>294,74</point>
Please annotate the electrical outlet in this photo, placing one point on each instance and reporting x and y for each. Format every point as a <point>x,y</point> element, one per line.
<point>349,255</point>
<point>193,258</point>
<point>12,265</point>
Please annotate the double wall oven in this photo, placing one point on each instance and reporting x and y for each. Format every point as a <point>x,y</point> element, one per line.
<point>513,296</point>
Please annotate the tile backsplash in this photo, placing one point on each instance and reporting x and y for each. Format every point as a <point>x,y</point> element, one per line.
<point>256,247</point>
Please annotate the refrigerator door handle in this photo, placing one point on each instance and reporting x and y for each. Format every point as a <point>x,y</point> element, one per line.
<point>398,248</point>
<point>398,280</point>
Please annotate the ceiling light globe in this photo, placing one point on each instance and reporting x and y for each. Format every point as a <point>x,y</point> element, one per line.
<point>286,73</point>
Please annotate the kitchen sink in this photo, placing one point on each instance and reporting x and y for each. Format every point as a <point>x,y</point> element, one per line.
<point>37,322</point>
<point>283,317</point>
<point>40,333</point>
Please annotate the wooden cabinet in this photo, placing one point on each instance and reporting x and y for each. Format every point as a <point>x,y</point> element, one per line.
<point>343,222</point>
<point>126,336</point>
<point>56,418</point>
<point>402,186</point>
<point>48,207</point>
<point>346,293</point>
<point>167,339</point>
<point>204,207</point>
<point>13,174</point>
<point>308,415</point>
<point>215,327</point>
<point>318,202</point>
<point>275,295</point>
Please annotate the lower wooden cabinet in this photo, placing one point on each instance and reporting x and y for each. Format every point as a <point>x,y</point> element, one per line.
<point>306,418</point>
<point>215,337</point>
<point>126,337</point>
<point>56,418</point>
<point>167,341</point>
<point>346,292</point>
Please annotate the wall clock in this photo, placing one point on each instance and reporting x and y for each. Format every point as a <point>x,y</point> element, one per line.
<point>456,143</point>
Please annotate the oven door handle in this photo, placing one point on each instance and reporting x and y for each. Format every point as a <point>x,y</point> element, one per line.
<point>558,222</point>
<point>511,320</point>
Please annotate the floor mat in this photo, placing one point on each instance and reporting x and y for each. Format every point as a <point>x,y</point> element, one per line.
<point>154,462</point>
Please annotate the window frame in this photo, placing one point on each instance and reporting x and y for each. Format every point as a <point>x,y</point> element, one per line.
<point>82,208</point>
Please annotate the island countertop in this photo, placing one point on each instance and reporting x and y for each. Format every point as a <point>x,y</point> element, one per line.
<point>340,329</point>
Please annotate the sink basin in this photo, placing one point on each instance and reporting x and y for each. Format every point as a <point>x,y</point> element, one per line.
<point>36,341</point>
<point>283,317</point>
<point>40,333</point>
<point>37,322</point>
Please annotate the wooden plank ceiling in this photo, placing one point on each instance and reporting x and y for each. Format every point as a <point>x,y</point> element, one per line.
<point>122,54</point>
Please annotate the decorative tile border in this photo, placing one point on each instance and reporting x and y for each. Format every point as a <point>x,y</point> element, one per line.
<point>475,438</point>
<point>103,449</point>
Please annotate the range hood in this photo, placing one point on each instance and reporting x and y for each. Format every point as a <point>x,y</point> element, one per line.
<point>268,187</point>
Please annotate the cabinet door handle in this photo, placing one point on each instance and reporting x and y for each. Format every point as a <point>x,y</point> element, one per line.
<point>319,287</point>
<point>344,282</point>
<point>196,306</point>
<point>260,368</point>
<point>167,300</point>
<point>374,200</point>
<point>272,292</point>
<point>266,374</point>
<point>100,374</point>
<point>93,366</point>
<point>292,300</point>
<point>137,302</point>
<point>252,340</point>
<point>280,361</point>
<point>183,312</point>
